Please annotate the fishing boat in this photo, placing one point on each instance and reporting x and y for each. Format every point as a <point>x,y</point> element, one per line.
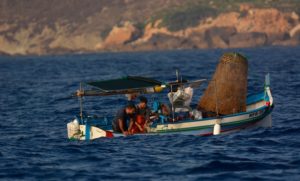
<point>88,127</point>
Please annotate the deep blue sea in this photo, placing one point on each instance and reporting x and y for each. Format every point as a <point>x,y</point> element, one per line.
<point>36,105</point>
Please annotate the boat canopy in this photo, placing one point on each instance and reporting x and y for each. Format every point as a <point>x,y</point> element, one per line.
<point>131,85</point>
<point>126,83</point>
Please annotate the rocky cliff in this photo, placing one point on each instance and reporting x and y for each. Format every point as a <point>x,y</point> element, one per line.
<point>53,26</point>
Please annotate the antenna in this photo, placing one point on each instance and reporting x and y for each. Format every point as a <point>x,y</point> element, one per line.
<point>80,101</point>
<point>177,75</point>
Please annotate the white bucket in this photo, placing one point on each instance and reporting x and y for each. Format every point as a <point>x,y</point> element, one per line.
<point>73,129</point>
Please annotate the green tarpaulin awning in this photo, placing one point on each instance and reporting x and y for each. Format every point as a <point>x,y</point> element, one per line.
<point>129,82</point>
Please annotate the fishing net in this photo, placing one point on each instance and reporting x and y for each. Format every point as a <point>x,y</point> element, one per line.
<point>227,91</point>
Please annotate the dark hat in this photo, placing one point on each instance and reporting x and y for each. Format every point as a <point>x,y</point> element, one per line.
<point>143,99</point>
<point>130,106</point>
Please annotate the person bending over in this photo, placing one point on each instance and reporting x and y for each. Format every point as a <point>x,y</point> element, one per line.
<point>119,124</point>
<point>139,125</point>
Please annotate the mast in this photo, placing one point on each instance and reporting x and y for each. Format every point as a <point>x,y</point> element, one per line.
<point>80,101</point>
<point>172,104</point>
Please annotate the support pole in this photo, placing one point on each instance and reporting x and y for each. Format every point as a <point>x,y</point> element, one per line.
<point>172,104</point>
<point>80,102</point>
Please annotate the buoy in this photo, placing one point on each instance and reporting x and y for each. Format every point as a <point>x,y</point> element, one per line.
<point>159,88</point>
<point>217,129</point>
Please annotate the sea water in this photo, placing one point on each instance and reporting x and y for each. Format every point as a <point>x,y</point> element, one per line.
<point>36,103</point>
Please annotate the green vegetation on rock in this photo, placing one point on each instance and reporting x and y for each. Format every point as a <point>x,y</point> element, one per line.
<point>181,18</point>
<point>190,14</point>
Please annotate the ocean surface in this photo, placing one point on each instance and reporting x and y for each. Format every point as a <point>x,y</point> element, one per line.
<point>36,104</point>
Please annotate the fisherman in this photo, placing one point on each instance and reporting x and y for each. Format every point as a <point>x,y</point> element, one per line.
<point>165,109</point>
<point>142,109</point>
<point>119,124</point>
<point>161,112</point>
<point>142,117</point>
<point>139,125</point>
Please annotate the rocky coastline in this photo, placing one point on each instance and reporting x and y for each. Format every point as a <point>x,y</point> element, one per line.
<point>249,26</point>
